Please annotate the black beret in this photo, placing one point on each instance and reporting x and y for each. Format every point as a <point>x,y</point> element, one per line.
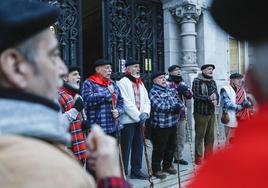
<point>242,19</point>
<point>156,74</point>
<point>21,19</point>
<point>101,62</point>
<point>131,62</point>
<point>207,65</point>
<point>173,67</point>
<point>74,68</point>
<point>236,75</point>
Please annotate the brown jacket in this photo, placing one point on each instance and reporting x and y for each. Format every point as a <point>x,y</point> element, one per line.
<point>31,163</point>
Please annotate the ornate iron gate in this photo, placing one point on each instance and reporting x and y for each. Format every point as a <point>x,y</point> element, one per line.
<point>134,29</point>
<point>69,31</point>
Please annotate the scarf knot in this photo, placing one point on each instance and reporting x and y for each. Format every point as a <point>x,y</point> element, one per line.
<point>99,79</point>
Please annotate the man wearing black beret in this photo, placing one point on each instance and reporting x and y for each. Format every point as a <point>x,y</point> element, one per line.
<point>137,109</point>
<point>234,100</point>
<point>33,138</point>
<point>244,163</point>
<point>183,91</point>
<point>166,106</point>
<point>72,105</point>
<point>103,99</point>
<point>205,100</point>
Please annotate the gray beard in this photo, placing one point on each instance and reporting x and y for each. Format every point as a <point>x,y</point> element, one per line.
<point>73,85</point>
<point>136,76</point>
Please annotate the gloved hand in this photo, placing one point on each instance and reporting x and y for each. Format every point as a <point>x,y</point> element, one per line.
<point>79,104</point>
<point>143,116</point>
<point>85,126</point>
<point>246,104</point>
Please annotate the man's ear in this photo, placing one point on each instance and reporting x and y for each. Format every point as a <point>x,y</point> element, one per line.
<point>65,78</point>
<point>14,69</point>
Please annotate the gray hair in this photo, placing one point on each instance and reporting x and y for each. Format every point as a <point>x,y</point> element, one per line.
<point>28,48</point>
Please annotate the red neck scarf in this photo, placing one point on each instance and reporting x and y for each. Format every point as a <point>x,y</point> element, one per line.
<point>69,92</point>
<point>240,93</point>
<point>240,97</point>
<point>98,79</point>
<point>137,81</point>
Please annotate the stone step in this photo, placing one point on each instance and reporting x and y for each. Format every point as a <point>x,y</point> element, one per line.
<point>170,181</point>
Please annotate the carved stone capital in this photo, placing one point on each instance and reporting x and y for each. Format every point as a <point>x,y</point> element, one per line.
<point>187,11</point>
<point>188,57</point>
<point>189,61</point>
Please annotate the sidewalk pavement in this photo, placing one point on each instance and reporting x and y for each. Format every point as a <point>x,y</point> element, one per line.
<point>186,171</point>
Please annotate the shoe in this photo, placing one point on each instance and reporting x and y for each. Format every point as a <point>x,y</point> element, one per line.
<point>140,176</point>
<point>198,161</point>
<point>170,170</point>
<point>175,161</point>
<point>183,162</point>
<point>160,175</point>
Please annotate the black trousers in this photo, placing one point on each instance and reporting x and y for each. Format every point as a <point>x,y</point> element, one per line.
<point>163,147</point>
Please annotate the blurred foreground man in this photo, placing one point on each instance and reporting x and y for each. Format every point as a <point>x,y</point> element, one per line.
<point>32,137</point>
<point>244,164</point>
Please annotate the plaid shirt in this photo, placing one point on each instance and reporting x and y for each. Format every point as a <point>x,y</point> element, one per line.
<point>113,182</point>
<point>184,92</point>
<point>202,89</point>
<point>163,101</point>
<point>78,139</point>
<point>226,101</point>
<point>98,102</point>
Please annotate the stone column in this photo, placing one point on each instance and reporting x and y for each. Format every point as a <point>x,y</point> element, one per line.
<point>187,14</point>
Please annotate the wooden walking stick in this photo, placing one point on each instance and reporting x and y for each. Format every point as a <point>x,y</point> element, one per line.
<point>178,167</point>
<point>118,137</point>
<point>150,173</point>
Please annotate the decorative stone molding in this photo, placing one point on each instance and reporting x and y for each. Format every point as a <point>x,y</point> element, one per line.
<point>186,11</point>
<point>189,57</point>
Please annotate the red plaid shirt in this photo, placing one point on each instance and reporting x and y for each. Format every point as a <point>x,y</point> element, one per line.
<point>113,182</point>
<point>78,139</point>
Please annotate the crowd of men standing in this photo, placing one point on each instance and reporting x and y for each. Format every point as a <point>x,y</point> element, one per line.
<point>123,109</point>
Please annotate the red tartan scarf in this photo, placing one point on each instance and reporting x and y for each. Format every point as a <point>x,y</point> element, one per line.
<point>69,92</point>
<point>98,79</point>
<point>240,97</point>
<point>137,81</point>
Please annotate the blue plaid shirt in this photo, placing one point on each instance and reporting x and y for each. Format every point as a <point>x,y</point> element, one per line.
<point>98,101</point>
<point>163,101</point>
<point>226,101</point>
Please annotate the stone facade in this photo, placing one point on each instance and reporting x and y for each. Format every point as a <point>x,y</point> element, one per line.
<point>192,38</point>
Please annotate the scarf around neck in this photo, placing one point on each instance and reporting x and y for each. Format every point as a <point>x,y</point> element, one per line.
<point>69,89</point>
<point>137,81</point>
<point>240,93</point>
<point>98,79</point>
<point>32,116</point>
